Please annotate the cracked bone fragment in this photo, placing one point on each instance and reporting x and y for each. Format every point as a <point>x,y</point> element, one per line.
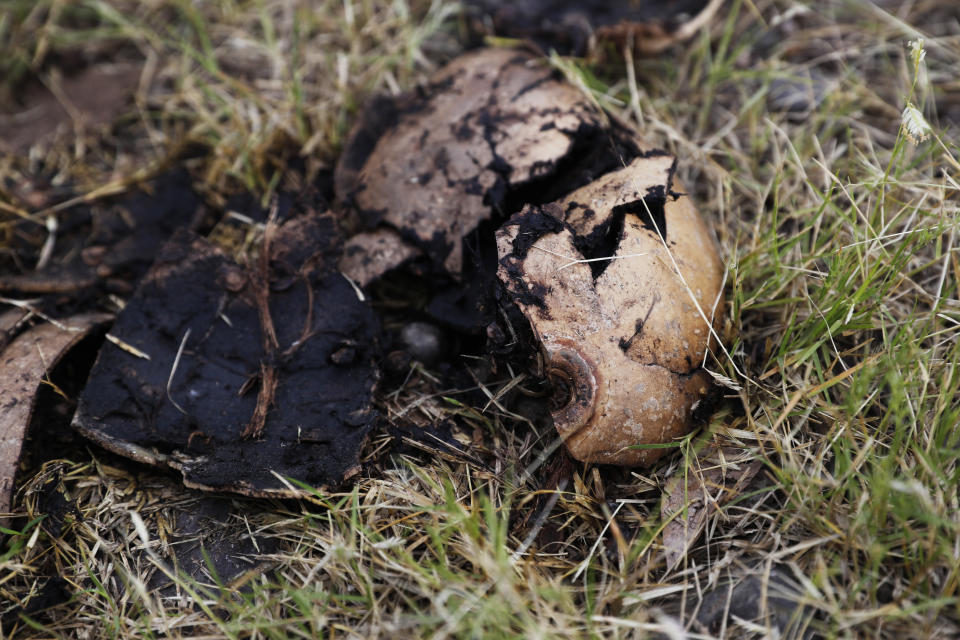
<point>494,129</point>
<point>623,334</point>
<point>368,254</point>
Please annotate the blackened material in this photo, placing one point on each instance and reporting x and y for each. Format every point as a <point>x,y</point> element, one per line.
<point>212,544</point>
<point>650,210</point>
<point>261,364</point>
<point>567,26</point>
<point>533,223</point>
<point>774,601</point>
<point>112,243</point>
<point>54,592</point>
<point>492,132</point>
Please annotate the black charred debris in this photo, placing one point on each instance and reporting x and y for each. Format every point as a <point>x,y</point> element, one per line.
<point>252,375</point>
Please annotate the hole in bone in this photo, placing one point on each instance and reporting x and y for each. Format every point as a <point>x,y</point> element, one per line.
<point>649,209</point>
<point>602,242</point>
<point>561,388</point>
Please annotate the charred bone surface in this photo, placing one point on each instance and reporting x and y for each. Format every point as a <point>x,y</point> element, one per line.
<point>494,130</point>
<point>542,234</point>
<point>598,249</point>
<point>623,343</point>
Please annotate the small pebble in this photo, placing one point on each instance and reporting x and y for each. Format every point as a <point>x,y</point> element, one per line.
<point>423,341</point>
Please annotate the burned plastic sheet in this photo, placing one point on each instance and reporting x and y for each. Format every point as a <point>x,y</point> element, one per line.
<point>240,376</point>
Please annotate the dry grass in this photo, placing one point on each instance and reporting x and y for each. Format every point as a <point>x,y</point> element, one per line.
<point>842,321</point>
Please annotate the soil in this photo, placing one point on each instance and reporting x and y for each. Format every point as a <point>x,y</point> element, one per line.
<point>93,96</point>
<point>105,247</point>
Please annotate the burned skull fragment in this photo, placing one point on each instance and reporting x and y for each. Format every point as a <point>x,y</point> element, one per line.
<point>493,130</point>
<point>604,255</point>
<point>619,281</point>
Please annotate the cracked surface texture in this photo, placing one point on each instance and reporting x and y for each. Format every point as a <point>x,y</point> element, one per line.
<point>624,343</point>
<point>493,130</point>
<point>498,132</point>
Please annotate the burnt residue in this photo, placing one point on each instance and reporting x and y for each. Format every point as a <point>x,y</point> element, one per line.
<point>283,205</point>
<point>52,591</point>
<point>624,337</point>
<point>522,292</point>
<point>534,295</point>
<point>594,151</point>
<point>111,244</point>
<point>509,337</point>
<point>536,83</point>
<point>570,26</point>
<point>649,209</point>
<point>491,163</point>
<point>465,158</point>
<point>626,343</point>
<point>671,176</point>
<point>210,543</point>
<point>459,306</point>
<point>601,242</point>
<point>655,152</point>
<point>246,349</point>
<point>380,114</point>
<point>532,224</point>
<point>489,122</point>
<point>535,222</point>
